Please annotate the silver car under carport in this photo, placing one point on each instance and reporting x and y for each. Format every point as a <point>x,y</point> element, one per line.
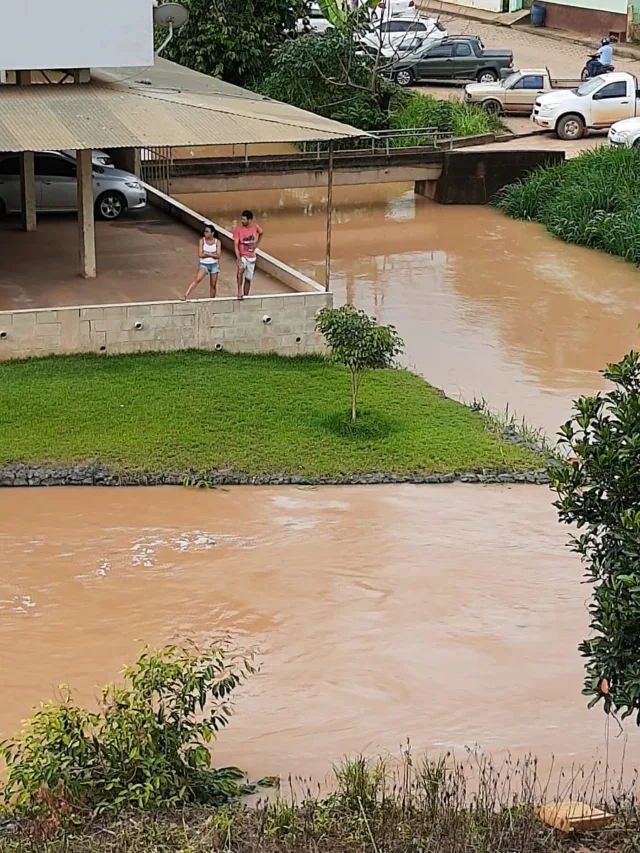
<point>114,191</point>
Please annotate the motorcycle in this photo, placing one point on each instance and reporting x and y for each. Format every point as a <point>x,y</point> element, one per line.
<point>604,69</point>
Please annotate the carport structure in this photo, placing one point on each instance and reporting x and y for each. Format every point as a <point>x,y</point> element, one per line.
<point>130,110</point>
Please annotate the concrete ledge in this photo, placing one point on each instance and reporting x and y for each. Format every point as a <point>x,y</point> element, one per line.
<point>18,475</point>
<point>282,272</point>
<point>280,323</point>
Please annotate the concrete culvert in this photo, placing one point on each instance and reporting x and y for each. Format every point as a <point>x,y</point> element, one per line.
<point>3,335</point>
<point>218,347</point>
<point>137,325</point>
<point>266,319</point>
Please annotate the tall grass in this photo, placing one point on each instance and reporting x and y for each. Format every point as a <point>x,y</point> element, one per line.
<point>411,109</point>
<point>591,201</point>
<point>418,805</point>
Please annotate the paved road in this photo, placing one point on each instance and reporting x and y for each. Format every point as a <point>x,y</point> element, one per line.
<point>564,59</point>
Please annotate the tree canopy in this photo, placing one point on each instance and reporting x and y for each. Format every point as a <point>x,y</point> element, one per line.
<point>328,75</point>
<point>233,39</point>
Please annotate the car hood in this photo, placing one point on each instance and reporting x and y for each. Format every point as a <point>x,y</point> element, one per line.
<point>114,175</point>
<point>627,124</point>
<point>557,97</point>
<point>483,88</point>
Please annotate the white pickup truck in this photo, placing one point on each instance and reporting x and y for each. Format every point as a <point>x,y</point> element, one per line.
<point>596,104</point>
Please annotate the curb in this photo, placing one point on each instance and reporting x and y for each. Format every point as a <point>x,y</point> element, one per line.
<point>13,476</point>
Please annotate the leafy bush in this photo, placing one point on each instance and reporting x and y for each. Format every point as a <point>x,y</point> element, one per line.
<point>591,200</point>
<point>598,488</point>
<point>146,747</point>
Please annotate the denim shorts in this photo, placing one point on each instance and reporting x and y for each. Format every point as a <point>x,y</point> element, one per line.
<point>212,269</point>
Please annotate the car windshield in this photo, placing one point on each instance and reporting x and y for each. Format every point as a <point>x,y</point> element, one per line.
<point>588,87</point>
<point>511,79</point>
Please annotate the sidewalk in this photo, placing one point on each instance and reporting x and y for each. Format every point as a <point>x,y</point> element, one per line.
<point>518,21</point>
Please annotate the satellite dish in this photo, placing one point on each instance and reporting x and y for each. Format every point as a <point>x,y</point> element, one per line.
<point>170,16</point>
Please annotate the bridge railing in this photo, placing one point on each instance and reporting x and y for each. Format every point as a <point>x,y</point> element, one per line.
<point>385,141</point>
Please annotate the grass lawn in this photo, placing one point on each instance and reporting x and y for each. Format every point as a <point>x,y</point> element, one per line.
<point>251,414</point>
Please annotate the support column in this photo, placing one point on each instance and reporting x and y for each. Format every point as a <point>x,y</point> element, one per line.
<point>28,191</point>
<point>24,78</point>
<point>86,221</point>
<point>327,260</point>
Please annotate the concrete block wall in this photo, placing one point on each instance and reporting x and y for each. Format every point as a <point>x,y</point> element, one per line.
<point>282,323</point>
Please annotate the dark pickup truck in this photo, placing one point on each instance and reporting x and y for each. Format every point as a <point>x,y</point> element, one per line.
<point>462,58</point>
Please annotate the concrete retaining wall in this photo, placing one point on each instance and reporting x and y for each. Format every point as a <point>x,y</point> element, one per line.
<point>475,176</point>
<point>283,323</point>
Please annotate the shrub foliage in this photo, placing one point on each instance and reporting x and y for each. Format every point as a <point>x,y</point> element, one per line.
<point>598,487</point>
<point>145,748</point>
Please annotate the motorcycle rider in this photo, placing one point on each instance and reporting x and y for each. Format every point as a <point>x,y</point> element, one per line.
<point>602,59</point>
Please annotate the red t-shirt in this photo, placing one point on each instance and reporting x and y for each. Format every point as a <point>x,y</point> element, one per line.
<point>247,237</point>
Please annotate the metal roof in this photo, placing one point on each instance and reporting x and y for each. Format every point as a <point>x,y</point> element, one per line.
<point>164,106</point>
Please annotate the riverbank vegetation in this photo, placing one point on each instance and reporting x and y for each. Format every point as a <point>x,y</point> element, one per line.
<point>591,200</point>
<point>327,74</point>
<point>198,411</point>
<point>409,806</point>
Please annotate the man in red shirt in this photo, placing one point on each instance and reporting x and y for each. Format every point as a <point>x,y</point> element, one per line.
<point>246,239</point>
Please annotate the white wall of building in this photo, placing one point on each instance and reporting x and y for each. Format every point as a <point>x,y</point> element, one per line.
<point>486,5</point>
<point>63,34</point>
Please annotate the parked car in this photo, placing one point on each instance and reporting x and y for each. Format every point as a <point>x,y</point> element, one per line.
<point>100,158</point>
<point>625,133</point>
<point>403,34</point>
<point>596,104</point>
<point>454,58</point>
<point>313,22</point>
<point>114,191</point>
<point>515,93</point>
<point>392,8</point>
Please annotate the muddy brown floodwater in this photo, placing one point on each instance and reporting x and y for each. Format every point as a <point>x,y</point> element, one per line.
<point>446,614</point>
<point>488,307</point>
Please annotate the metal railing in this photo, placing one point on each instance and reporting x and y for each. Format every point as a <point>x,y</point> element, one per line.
<point>385,141</point>
<point>156,168</point>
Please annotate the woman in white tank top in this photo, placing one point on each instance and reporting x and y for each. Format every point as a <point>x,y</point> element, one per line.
<point>208,261</point>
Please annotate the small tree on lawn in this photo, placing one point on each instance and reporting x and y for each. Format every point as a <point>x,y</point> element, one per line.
<point>359,343</point>
<point>598,489</point>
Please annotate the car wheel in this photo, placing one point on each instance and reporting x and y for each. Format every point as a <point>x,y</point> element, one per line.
<point>636,143</point>
<point>487,76</point>
<point>570,127</point>
<point>492,107</point>
<point>111,206</point>
<point>404,77</point>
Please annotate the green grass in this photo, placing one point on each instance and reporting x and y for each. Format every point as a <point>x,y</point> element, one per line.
<point>197,411</point>
<point>591,200</point>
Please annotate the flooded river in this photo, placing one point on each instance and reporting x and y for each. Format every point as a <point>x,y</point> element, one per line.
<point>447,614</point>
<point>488,307</point>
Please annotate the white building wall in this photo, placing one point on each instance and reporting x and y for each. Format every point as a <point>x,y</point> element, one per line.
<point>66,34</point>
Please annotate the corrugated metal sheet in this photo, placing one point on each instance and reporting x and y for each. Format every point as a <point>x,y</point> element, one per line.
<point>145,115</point>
